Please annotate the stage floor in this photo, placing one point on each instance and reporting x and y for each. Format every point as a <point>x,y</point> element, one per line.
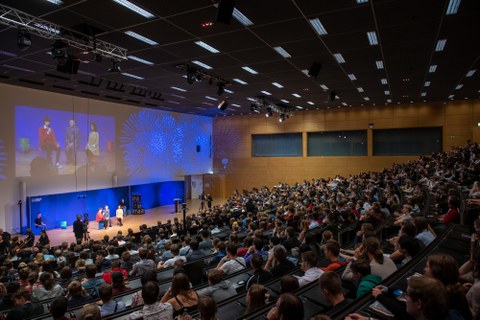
<point>151,216</point>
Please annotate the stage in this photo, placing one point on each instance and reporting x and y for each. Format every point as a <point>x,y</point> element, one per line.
<point>151,216</point>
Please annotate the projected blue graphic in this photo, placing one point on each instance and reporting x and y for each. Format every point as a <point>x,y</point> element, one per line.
<point>3,160</point>
<point>162,146</point>
<point>226,147</point>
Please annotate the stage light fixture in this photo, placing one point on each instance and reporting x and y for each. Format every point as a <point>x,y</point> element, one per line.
<point>269,112</point>
<point>190,75</point>
<point>115,67</point>
<point>221,88</point>
<point>60,50</point>
<point>223,105</point>
<point>24,40</point>
<point>282,117</point>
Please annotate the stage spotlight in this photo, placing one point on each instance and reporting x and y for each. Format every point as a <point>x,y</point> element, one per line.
<point>221,88</point>
<point>59,50</point>
<point>223,105</point>
<point>282,118</point>
<point>333,95</point>
<point>190,75</point>
<point>269,112</point>
<point>115,67</point>
<point>24,41</point>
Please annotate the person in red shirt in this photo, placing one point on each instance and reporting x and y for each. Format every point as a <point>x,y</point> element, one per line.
<point>452,215</point>
<point>331,250</point>
<point>101,218</point>
<point>48,142</point>
<point>107,276</point>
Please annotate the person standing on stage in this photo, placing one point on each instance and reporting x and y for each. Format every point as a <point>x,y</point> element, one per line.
<point>123,204</point>
<point>39,222</point>
<point>72,136</point>
<point>93,146</point>
<point>209,201</point>
<point>78,228</point>
<point>101,218</point>
<point>106,215</point>
<point>48,142</point>
<point>119,214</point>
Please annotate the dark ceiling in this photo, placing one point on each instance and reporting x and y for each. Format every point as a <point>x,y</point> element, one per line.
<point>407,33</point>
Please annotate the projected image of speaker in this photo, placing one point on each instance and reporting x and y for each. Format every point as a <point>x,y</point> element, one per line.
<point>314,69</point>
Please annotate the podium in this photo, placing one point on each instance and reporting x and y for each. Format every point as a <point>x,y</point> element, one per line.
<point>177,205</point>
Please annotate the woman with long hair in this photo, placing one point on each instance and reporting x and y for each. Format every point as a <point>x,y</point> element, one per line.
<point>93,149</point>
<point>256,297</point>
<point>181,296</point>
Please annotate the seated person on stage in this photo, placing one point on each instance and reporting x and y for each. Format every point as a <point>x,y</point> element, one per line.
<point>119,215</point>
<point>100,217</point>
<point>106,215</point>
<point>39,222</point>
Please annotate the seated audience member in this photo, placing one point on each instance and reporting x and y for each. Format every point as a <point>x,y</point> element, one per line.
<point>101,260</point>
<point>152,308</point>
<point>291,241</point>
<point>288,283</point>
<point>109,305</point>
<point>231,263</point>
<point>362,273</point>
<point>23,306</point>
<point>48,288</point>
<point>149,275</point>
<point>256,297</point>
<point>423,233</point>
<point>126,261</point>
<point>426,300</point>
<point>143,265</point>
<point>331,286</point>
<point>77,295</point>
<point>116,266</point>
<point>118,283</point>
<point>409,247</point>
<point>195,253</point>
<point>183,297</point>
<point>207,308</point>
<point>289,307</point>
<point>91,312</point>
<point>277,262</point>
<point>219,252</point>
<point>111,253</point>
<point>218,288</point>
<point>175,249</point>
<point>206,243</point>
<point>260,275</point>
<point>331,249</point>
<point>58,308</point>
<point>308,265</point>
<point>257,248</point>
<point>91,284</point>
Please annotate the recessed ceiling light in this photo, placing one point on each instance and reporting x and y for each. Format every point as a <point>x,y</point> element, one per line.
<point>360,89</point>
<point>318,26</point>
<point>296,95</point>
<point>240,17</point>
<point>453,7</point>
<point>278,85</point>
<point>366,98</point>
<point>141,38</point>
<point>266,93</point>
<point>239,81</point>
<point>285,101</point>
<point>387,93</point>
<point>211,98</point>
<point>324,87</point>
<point>178,89</point>
<point>140,60</point>
<point>339,57</point>
<point>132,76</point>
<point>133,7</point>
<point>352,77</point>
<point>372,38</point>
<point>310,103</point>
<point>432,68</point>
<point>282,52</point>
<point>460,86</point>
<point>384,81</point>
<point>250,70</point>
<point>379,64</point>
<point>201,64</point>
<point>206,46</point>
<point>441,45</point>
<point>470,73</point>
<point>427,84</point>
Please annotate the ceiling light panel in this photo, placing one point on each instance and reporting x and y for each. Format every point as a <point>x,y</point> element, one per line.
<point>266,93</point>
<point>240,81</point>
<point>201,64</point>
<point>141,38</point>
<point>178,89</point>
<point>278,85</point>
<point>133,7</point>
<point>379,64</point>
<point>339,57</point>
<point>384,81</point>
<point>427,84</point>
<point>250,70</point>
<point>453,6</point>
<point>296,95</point>
<point>324,87</point>
<point>432,68</point>
<point>241,18</point>
<point>318,27</point>
<point>134,76</point>
<point>57,2</point>
<point>150,63</point>
<point>211,98</point>
<point>285,101</point>
<point>352,77</point>
<point>228,91</point>
<point>470,73</point>
<point>282,52</point>
<point>360,89</point>
<point>440,45</point>
<point>460,86</point>
<point>206,46</point>
<point>372,38</point>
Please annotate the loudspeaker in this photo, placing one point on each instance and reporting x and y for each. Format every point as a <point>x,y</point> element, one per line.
<point>333,94</point>
<point>314,69</point>
<point>225,10</point>
<point>223,105</point>
<point>198,148</point>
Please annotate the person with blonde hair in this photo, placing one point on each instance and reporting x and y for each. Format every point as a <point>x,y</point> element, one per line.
<point>91,312</point>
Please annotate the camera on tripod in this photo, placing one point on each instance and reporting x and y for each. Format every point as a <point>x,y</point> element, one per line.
<point>85,222</point>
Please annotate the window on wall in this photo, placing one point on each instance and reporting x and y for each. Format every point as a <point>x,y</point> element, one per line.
<point>406,142</point>
<point>337,143</point>
<point>277,145</point>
